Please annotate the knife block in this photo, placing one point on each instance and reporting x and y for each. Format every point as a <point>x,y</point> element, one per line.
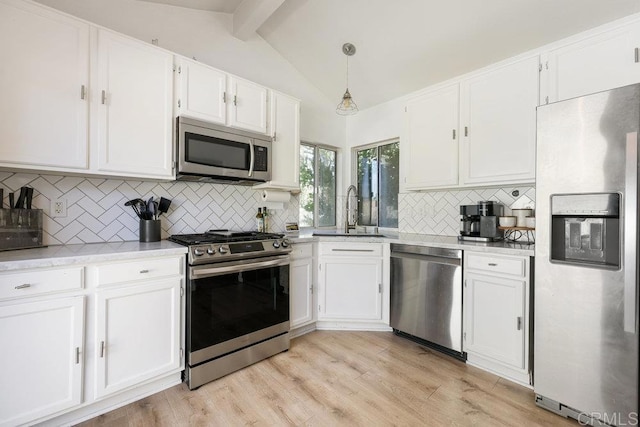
<point>20,228</point>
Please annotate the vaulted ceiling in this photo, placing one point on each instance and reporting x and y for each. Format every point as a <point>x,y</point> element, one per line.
<point>405,45</point>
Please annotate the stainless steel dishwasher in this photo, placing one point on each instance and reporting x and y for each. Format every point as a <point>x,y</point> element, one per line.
<point>426,296</point>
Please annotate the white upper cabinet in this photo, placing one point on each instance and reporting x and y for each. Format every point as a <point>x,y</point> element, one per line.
<point>431,130</point>
<point>601,62</point>
<point>285,130</point>
<point>132,107</point>
<point>208,94</point>
<point>498,124</point>
<point>201,91</point>
<point>44,81</point>
<point>247,105</point>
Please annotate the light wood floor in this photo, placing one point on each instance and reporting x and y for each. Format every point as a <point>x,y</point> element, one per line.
<point>331,378</point>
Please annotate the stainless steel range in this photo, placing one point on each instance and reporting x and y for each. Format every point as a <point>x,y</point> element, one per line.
<point>237,301</point>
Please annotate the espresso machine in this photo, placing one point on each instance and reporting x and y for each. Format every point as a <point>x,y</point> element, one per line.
<point>479,223</point>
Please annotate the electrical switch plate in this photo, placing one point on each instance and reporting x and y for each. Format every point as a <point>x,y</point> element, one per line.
<point>58,208</point>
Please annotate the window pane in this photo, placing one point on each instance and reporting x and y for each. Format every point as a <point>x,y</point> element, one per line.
<point>389,185</point>
<point>367,169</point>
<point>307,184</point>
<point>326,187</point>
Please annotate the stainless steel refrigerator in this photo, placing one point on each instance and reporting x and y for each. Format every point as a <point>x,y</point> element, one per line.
<point>586,257</point>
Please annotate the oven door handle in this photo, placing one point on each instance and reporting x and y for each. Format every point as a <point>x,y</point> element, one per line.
<point>203,271</point>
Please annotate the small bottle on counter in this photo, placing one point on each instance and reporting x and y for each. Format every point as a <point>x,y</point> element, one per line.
<point>260,221</point>
<point>265,220</point>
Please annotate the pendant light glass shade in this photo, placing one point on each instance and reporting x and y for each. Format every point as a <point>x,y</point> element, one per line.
<point>347,106</point>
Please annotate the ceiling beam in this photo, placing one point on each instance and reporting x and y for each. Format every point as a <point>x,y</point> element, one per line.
<point>250,15</point>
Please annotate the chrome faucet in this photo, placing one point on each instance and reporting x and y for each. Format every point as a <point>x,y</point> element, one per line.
<point>347,210</point>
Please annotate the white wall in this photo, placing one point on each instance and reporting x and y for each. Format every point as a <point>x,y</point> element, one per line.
<point>207,37</point>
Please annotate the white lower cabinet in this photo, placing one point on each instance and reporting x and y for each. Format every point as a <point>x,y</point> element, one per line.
<point>137,333</point>
<point>496,314</point>
<point>86,339</point>
<point>42,359</point>
<point>301,285</point>
<point>352,287</point>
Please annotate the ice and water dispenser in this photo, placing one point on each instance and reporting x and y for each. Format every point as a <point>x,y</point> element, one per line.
<point>585,229</point>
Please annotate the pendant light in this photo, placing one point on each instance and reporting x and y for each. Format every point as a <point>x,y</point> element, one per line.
<point>347,106</point>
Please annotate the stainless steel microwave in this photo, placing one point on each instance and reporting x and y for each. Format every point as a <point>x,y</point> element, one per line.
<point>213,153</point>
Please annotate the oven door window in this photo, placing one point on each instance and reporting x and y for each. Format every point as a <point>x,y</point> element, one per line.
<point>211,151</point>
<point>232,305</point>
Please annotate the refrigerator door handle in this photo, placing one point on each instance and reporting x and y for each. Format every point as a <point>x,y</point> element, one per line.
<point>630,234</point>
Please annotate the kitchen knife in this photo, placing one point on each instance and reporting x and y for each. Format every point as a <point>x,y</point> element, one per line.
<point>29,197</point>
<point>21,197</point>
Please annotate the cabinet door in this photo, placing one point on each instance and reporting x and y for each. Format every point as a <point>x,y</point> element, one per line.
<point>202,92</point>
<point>601,62</point>
<point>301,292</point>
<point>248,106</point>
<point>133,115</point>
<point>498,124</point>
<point>285,160</point>
<point>137,334</point>
<point>431,131</point>
<point>494,318</point>
<point>41,359</point>
<point>44,82</point>
<point>351,288</point>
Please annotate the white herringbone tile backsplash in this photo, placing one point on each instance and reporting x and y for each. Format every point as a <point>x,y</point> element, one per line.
<point>96,211</point>
<point>438,212</point>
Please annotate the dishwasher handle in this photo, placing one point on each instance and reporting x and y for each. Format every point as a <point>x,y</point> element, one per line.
<point>426,258</point>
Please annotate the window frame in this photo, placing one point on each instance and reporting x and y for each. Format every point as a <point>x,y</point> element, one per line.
<point>354,169</point>
<point>316,205</point>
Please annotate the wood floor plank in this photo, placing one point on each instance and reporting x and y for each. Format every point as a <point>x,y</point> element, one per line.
<point>344,378</point>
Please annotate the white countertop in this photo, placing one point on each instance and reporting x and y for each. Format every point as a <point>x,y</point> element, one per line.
<point>450,242</point>
<point>54,256</point>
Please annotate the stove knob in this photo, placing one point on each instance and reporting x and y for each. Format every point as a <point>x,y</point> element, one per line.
<point>276,244</point>
<point>223,250</point>
<point>211,251</point>
<point>285,243</point>
<point>198,252</point>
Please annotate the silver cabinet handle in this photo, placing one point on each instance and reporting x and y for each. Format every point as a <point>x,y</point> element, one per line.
<point>235,100</point>
<point>83,92</point>
<point>466,131</point>
<point>104,97</point>
<point>493,264</point>
<point>637,54</point>
<point>24,286</point>
<point>144,271</point>
<point>352,250</point>
<point>519,323</point>
<point>224,97</point>
<point>101,348</point>
<point>630,233</point>
<point>77,355</point>
<point>454,134</point>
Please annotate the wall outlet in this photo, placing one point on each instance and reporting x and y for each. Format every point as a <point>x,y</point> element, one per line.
<point>58,208</point>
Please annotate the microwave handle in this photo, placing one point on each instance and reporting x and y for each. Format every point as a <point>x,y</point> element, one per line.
<point>252,157</point>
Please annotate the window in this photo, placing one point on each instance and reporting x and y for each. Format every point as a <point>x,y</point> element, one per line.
<point>318,186</point>
<point>378,177</point>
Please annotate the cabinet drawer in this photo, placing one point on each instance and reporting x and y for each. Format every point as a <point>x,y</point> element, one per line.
<point>302,250</point>
<point>139,270</point>
<point>37,282</point>
<point>351,249</point>
<point>514,266</point>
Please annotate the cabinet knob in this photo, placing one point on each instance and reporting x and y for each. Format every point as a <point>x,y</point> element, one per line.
<point>493,264</point>
<point>23,286</point>
<point>144,271</point>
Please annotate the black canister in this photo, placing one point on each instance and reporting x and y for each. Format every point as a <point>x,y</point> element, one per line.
<point>149,230</point>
